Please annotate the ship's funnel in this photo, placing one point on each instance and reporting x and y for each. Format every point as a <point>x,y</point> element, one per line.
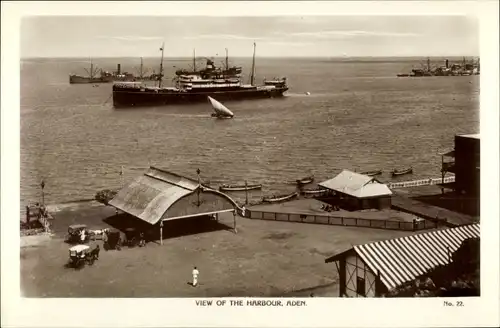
<point>118,69</point>
<point>446,63</point>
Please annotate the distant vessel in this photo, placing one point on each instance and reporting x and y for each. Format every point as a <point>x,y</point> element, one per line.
<point>92,78</point>
<point>118,75</point>
<point>108,77</point>
<point>196,86</point>
<point>221,111</point>
<point>463,69</point>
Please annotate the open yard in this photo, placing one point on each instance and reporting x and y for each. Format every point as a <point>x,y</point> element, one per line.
<point>313,207</point>
<point>263,258</point>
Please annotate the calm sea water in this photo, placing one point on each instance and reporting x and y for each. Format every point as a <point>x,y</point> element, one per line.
<point>358,116</point>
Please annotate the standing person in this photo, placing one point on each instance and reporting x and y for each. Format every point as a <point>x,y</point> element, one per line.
<point>195,276</point>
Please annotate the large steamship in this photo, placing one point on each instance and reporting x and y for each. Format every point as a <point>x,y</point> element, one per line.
<point>196,85</point>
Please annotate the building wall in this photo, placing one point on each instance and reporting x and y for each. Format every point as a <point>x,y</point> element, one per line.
<point>369,203</point>
<point>355,267</point>
<point>467,158</point>
<point>188,205</point>
<point>384,202</point>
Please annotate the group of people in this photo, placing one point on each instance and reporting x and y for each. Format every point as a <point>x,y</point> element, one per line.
<point>330,208</point>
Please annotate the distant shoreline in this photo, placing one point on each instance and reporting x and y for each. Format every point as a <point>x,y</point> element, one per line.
<point>342,58</point>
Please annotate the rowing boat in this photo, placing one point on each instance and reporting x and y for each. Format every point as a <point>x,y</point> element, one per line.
<point>226,187</point>
<point>372,173</point>
<point>314,192</point>
<point>402,172</point>
<point>279,198</point>
<point>305,180</point>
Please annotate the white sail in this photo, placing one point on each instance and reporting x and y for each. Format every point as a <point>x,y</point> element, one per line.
<point>219,108</point>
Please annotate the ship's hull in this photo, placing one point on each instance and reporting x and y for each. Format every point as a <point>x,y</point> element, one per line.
<point>124,97</point>
<point>85,80</point>
<point>105,79</point>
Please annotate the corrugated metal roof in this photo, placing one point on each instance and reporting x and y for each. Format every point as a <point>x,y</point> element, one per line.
<point>404,259</point>
<point>357,185</point>
<point>150,195</point>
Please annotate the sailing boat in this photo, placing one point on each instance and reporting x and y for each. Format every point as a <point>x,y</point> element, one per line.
<point>221,111</point>
<point>92,78</point>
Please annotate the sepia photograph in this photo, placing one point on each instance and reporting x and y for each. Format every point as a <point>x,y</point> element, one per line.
<point>270,159</point>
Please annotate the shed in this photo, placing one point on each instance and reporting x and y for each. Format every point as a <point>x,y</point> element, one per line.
<point>159,195</point>
<point>373,269</point>
<point>359,191</point>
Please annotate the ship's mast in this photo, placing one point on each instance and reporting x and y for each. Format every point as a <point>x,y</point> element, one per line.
<point>91,69</point>
<point>227,61</point>
<point>194,60</point>
<point>141,73</point>
<point>253,66</point>
<point>161,65</point>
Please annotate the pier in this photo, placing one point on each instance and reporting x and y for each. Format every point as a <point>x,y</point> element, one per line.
<point>421,182</point>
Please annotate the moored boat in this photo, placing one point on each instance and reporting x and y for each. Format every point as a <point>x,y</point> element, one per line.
<point>279,198</point>
<point>226,187</point>
<point>372,173</point>
<point>305,180</point>
<point>314,191</point>
<point>402,171</point>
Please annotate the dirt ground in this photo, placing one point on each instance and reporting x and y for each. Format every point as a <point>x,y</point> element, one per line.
<point>264,258</point>
<point>313,207</point>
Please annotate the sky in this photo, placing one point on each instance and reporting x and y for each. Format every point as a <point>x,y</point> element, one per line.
<point>279,36</point>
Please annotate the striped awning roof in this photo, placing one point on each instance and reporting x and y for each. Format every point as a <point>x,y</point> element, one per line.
<point>404,259</point>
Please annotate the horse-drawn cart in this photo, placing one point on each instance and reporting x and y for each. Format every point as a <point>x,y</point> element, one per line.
<point>77,233</point>
<point>134,238</point>
<point>113,239</point>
